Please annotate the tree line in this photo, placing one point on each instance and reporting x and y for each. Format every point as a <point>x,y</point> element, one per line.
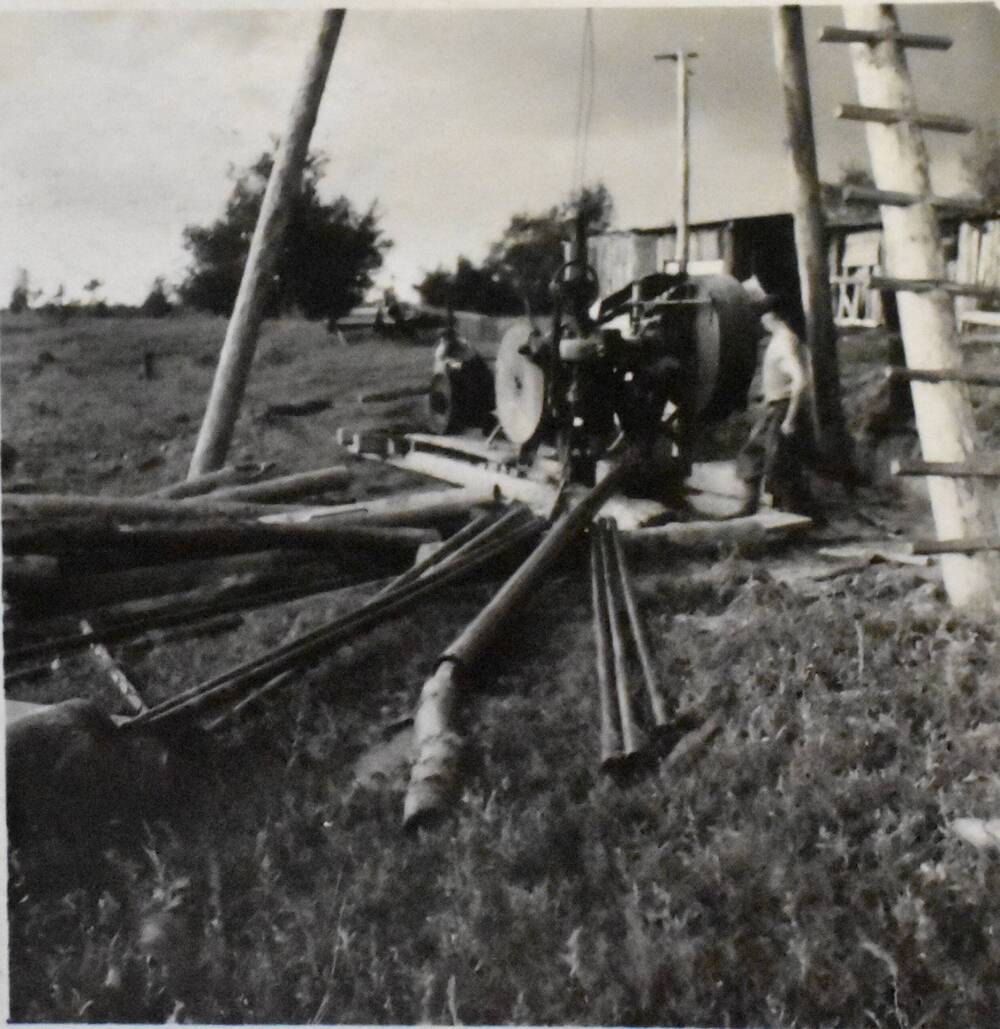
<point>332,251</point>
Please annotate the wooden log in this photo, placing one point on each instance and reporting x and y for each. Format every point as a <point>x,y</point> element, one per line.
<point>230,475</point>
<point>337,535</point>
<point>115,673</point>
<point>283,186</point>
<point>970,378</point>
<point>610,738</point>
<point>896,115</point>
<point>972,545</point>
<point>657,702</point>
<point>981,468</point>
<point>760,529</point>
<point>423,507</point>
<point>632,739</point>
<point>436,743</point>
<point>80,592</point>
<point>834,442</point>
<point>297,409</point>
<point>37,506</point>
<point>912,40</point>
<point>944,416</point>
<point>288,487</point>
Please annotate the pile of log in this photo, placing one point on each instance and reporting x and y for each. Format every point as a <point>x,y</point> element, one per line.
<point>182,556</point>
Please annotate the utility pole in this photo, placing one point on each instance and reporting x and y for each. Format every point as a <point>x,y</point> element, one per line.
<point>684,161</point>
<point>283,186</point>
<point>962,507</point>
<point>832,438</point>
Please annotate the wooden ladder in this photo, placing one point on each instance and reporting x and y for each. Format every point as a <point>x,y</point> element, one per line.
<point>962,497</point>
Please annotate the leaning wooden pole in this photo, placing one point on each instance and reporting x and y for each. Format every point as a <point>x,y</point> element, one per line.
<point>437,745</point>
<point>283,186</point>
<point>810,239</point>
<point>945,423</point>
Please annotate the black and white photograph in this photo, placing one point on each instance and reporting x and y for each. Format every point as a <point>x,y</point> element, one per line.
<point>501,514</point>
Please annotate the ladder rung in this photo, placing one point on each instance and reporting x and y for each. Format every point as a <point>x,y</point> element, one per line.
<point>837,34</point>
<point>973,469</point>
<point>970,378</point>
<point>972,545</point>
<point>962,289</point>
<point>892,198</point>
<point>893,116</point>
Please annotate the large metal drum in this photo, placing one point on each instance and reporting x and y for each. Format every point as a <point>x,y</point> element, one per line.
<point>726,330</point>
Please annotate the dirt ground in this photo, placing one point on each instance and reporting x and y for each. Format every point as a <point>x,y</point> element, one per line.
<point>799,870</point>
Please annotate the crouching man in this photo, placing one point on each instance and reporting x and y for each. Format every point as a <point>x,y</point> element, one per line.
<point>773,456</point>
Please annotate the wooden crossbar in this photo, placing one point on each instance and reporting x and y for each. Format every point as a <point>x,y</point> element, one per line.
<point>970,378</point>
<point>973,545</point>
<point>914,40</point>
<point>893,116</point>
<point>978,468</point>
<point>893,198</point>
<point>961,289</point>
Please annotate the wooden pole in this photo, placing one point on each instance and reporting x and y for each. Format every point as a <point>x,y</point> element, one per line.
<point>683,156</point>
<point>810,239</point>
<point>962,507</point>
<point>282,187</point>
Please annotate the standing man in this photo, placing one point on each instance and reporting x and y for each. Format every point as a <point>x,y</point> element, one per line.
<point>773,456</point>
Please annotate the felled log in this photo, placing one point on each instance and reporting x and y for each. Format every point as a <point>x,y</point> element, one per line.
<point>419,507</point>
<point>389,395</point>
<point>288,487</point>
<point>610,738</point>
<point>230,475</point>
<point>302,407</point>
<point>436,743</point>
<point>76,592</point>
<point>753,530</point>
<point>55,506</point>
<point>212,536</point>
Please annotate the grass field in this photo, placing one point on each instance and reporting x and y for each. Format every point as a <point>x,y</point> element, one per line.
<point>797,871</point>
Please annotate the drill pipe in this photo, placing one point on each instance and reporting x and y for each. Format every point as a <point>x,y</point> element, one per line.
<point>656,699</point>
<point>319,641</point>
<point>436,744</point>
<point>611,744</point>
<point>632,741</point>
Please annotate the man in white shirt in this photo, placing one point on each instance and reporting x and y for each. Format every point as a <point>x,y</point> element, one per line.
<point>773,455</point>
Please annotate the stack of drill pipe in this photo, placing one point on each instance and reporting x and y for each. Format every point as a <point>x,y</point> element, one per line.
<point>437,744</point>
<point>661,709</point>
<point>246,679</point>
<point>631,738</point>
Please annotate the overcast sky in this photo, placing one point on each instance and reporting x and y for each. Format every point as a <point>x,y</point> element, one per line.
<point>118,128</point>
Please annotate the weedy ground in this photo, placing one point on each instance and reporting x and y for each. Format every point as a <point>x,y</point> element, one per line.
<point>798,870</point>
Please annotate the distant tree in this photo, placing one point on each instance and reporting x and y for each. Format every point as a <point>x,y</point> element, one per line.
<point>981,162</point>
<point>157,303</point>
<point>327,260</point>
<point>519,266</point>
<point>20,296</point>
<point>832,193</point>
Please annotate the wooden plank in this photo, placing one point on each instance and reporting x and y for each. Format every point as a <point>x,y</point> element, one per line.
<point>896,116</point>
<point>895,198</point>
<point>488,482</point>
<point>387,396</point>
<point>981,468</point>
<point>499,453</point>
<point>121,682</point>
<point>970,378</point>
<point>913,40</point>
<point>972,545</point>
<point>419,507</point>
<point>991,319</point>
<point>962,289</point>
